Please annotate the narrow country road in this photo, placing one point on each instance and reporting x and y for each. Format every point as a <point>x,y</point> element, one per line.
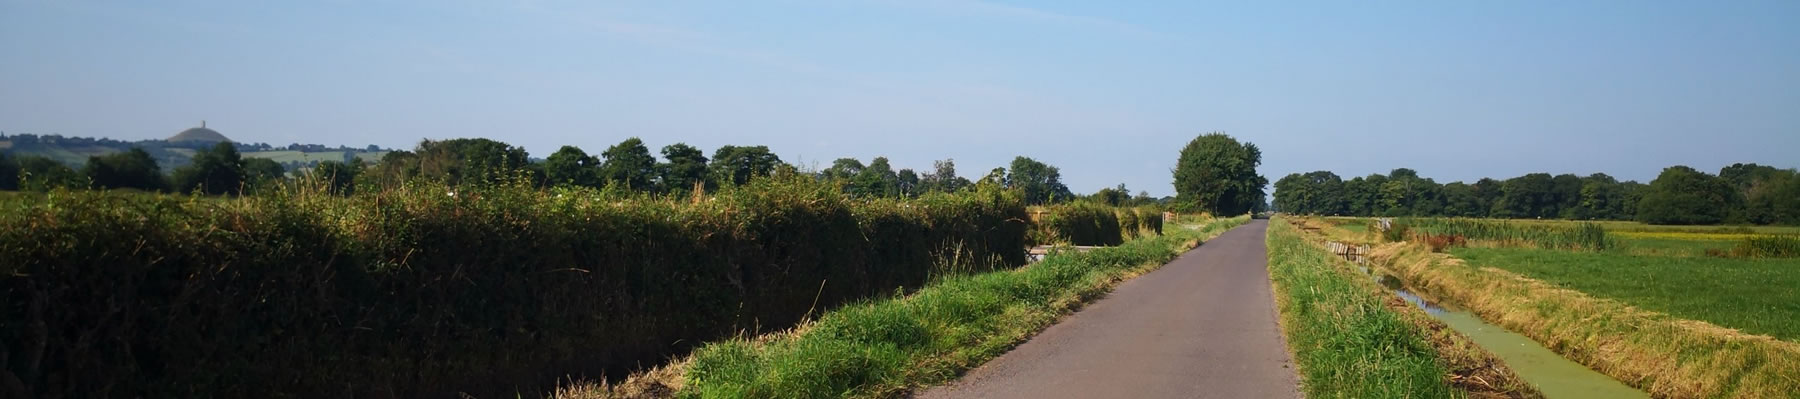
<point>1202,326</point>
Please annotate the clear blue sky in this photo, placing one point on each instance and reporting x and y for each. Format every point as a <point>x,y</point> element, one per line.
<point>1108,91</point>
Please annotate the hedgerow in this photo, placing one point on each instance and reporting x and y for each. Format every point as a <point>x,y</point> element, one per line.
<point>425,290</point>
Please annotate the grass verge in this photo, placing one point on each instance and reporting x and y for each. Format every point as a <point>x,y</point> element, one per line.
<point>889,347</point>
<point>1666,356</point>
<point>1352,339</point>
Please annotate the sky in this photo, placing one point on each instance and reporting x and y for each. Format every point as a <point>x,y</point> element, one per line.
<point>1107,91</point>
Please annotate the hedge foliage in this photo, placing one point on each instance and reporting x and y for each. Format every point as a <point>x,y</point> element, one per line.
<point>1090,223</point>
<point>420,291</point>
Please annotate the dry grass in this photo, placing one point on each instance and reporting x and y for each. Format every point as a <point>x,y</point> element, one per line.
<point>1665,356</point>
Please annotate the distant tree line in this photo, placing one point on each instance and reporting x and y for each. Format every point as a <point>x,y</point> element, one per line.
<point>1738,194</point>
<point>626,166</point>
<point>216,170</point>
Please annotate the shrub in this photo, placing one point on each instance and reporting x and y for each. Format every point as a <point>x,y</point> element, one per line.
<point>1396,232</point>
<point>421,291</point>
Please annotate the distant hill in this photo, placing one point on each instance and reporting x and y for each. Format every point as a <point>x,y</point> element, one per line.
<point>179,149</point>
<point>198,134</point>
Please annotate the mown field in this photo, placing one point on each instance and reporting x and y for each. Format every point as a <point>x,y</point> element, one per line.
<point>1685,271</point>
<point>1758,296</point>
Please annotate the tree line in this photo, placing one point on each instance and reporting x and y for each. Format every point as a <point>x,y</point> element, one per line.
<point>1738,194</point>
<point>1215,173</point>
<point>628,165</point>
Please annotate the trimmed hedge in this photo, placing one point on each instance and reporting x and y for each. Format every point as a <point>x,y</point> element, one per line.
<point>1090,223</point>
<point>424,292</point>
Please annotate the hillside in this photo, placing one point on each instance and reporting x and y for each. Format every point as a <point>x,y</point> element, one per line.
<point>179,149</point>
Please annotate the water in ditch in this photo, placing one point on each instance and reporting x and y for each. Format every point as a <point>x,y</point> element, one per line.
<point>1553,375</point>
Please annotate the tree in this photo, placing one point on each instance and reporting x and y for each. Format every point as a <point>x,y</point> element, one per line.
<point>909,183</point>
<point>470,161</point>
<point>943,177</point>
<point>1530,196</point>
<point>1316,193</point>
<point>570,166</point>
<point>9,173</point>
<point>686,166</point>
<point>43,174</point>
<point>1461,200</point>
<point>259,172</point>
<point>843,168</point>
<point>736,165</point>
<point>996,177</point>
<point>1217,174</point>
<point>219,170</point>
<point>1115,196</point>
<point>133,169</point>
<point>1682,195</point>
<point>876,180</point>
<point>339,178</point>
<point>1040,182</point>
<point>629,164</point>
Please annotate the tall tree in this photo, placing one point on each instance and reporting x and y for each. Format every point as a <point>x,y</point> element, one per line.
<point>9,172</point>
<point>1217,174</point>
<point>470,161</point>
<point>1529,196</point>
<point>1040,182</point>
<point>339,178</point>
<point>943,177</point>
<point>686,166</point>
<point>261,172</point>
<point>843,168</point>
<point>628,164</point>
<point>876,180</point>
<point>133,169</point>
<point>219,170</point>
<point>1682,195</point>
<point>909,183</point>
<point>570,166</point>
<point>737,164</point>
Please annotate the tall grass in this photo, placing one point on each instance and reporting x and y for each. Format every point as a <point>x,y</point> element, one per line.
<point>1584,236</point>
<point>1346,343</point>
<point>885,347</point>
<point>1776,246</point>
<point>426,290</point>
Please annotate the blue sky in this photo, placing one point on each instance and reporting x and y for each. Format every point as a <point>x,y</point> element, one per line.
<point>1108,91</point>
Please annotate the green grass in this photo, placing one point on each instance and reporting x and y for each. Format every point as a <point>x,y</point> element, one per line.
<point>886,347</point>
<point>1760,296</point>
<point>1670,246</point>
<point>1346,342</point>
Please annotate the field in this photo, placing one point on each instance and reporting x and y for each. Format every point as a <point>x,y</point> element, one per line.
<point>299,156</point>
<point>1758,296</point>
<point>1675,311</point>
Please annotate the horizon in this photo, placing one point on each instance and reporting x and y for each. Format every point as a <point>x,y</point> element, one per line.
<point>1107,93</point>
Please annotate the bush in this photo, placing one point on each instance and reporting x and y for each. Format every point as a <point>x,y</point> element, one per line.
<point>423,291</point>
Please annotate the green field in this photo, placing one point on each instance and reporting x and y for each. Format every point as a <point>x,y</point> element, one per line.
<point>300,156</point>
<point>1760,296</point>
